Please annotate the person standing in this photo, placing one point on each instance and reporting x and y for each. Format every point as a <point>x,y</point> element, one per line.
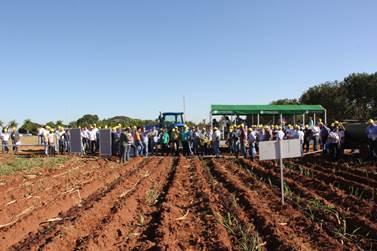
<point>174,141</point>
<point>51,143</point>
<point>125,145</point>
<point>323,134</point>
<point>15,136</point>
<point>216,141</point>
<point>371,132</point>
<point>307,137</point>
<point>184,138</point>
<point>61,139</point>
<point>92,139</point>
<point>251,138</point>
<point>145,140</point>
<point>315,137</point>
<point>165,142</point>
<point>5,139</point>
<point>196,140</point>
<point>333,143</point>
<point>243,140</point>
<point>138,143</point>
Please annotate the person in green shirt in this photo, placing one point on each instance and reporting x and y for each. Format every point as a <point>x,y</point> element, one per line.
<point>165,142</point>
<point>184,137</point>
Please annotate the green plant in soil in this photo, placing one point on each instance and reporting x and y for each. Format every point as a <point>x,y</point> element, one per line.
<point>29,164</point>
<point>246,239</point>
<point>151,197</point>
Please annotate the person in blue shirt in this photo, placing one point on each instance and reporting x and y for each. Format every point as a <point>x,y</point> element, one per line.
<point>371,133</point>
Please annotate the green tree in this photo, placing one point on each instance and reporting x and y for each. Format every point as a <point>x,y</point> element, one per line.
<point>28,125</point>
<point>87,119</point>
<point>51,124</point>
<point>361,91</point>
<point>286,101</point>
<point>12,124</point>
<point>59,123</point>
<point>330,95</point>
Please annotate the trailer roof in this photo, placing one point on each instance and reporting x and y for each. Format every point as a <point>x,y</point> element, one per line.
<point>265,109</point>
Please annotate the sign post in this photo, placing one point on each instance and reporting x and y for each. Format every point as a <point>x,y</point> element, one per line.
<point>279,150</point>
<point>281,171</point>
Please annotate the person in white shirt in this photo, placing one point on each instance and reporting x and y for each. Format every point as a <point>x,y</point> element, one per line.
<point>280,134</point>
<point>51,140</point>
<point>5,139</point>
<point>251,138</point>
<point>216,141</point>
<point>85,140</point>
<point>315,137</point>
<point>333,141</point>
<point>92,135</point>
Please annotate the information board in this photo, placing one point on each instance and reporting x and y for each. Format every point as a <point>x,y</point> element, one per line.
<point>75,141</point>
<point>105,142</point>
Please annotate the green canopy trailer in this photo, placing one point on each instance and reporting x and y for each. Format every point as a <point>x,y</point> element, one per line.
<point>259,110</point>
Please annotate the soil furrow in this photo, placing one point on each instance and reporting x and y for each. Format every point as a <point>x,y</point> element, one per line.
<point>276,226</point>
<point>47,232</point>
<point>117,225</point>
<point>239,228</point>
<point>317,208</point>
<point>51,202</point>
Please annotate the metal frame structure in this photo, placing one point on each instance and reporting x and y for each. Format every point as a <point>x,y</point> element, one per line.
<point>242,110</point>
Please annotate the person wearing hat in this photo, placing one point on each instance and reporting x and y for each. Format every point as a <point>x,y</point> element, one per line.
<point>15,136</point>
<point>164,142</point>
<point>204,140</point>
<point>371,132</point>
<point>243,140</point>
<point>184,139</point>
<point>92,136</point>
<point>60,136</point>
<point>323,134</point>
<point>308,135</point>
<point>333,141</point>
<point>5,139</point>
<point>125,141</point>
<point>51,139</point>
<point>216,141</point>
<point>229,140</point>
<point>251,139</point>
<point>196,140</point>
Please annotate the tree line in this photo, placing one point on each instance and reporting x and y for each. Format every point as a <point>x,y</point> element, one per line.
<point>354,98</point>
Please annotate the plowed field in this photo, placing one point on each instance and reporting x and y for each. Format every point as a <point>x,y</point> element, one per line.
<point>178,203</point>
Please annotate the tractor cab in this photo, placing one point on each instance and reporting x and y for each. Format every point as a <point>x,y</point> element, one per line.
<point>170,120</point>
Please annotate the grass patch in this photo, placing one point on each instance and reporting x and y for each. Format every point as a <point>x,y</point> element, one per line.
<point>19,164</point>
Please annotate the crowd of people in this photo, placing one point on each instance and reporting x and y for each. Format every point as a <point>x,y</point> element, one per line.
<point>240,139</point>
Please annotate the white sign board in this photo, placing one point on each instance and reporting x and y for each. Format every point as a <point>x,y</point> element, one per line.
<point>269,150</point>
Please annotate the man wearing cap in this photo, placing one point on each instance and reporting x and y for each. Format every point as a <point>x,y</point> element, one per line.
<point>125,145</point>
<point>371,132</point>
<point>251,138</point>
<point>216,141</point>
<point>15,136</point>
<point>5,138</point>
<point>243,140</point>
<point>184,138</point>
<point>164,142</point>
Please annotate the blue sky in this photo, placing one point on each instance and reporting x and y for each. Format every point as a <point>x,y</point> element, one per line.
<point>63,59</point>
